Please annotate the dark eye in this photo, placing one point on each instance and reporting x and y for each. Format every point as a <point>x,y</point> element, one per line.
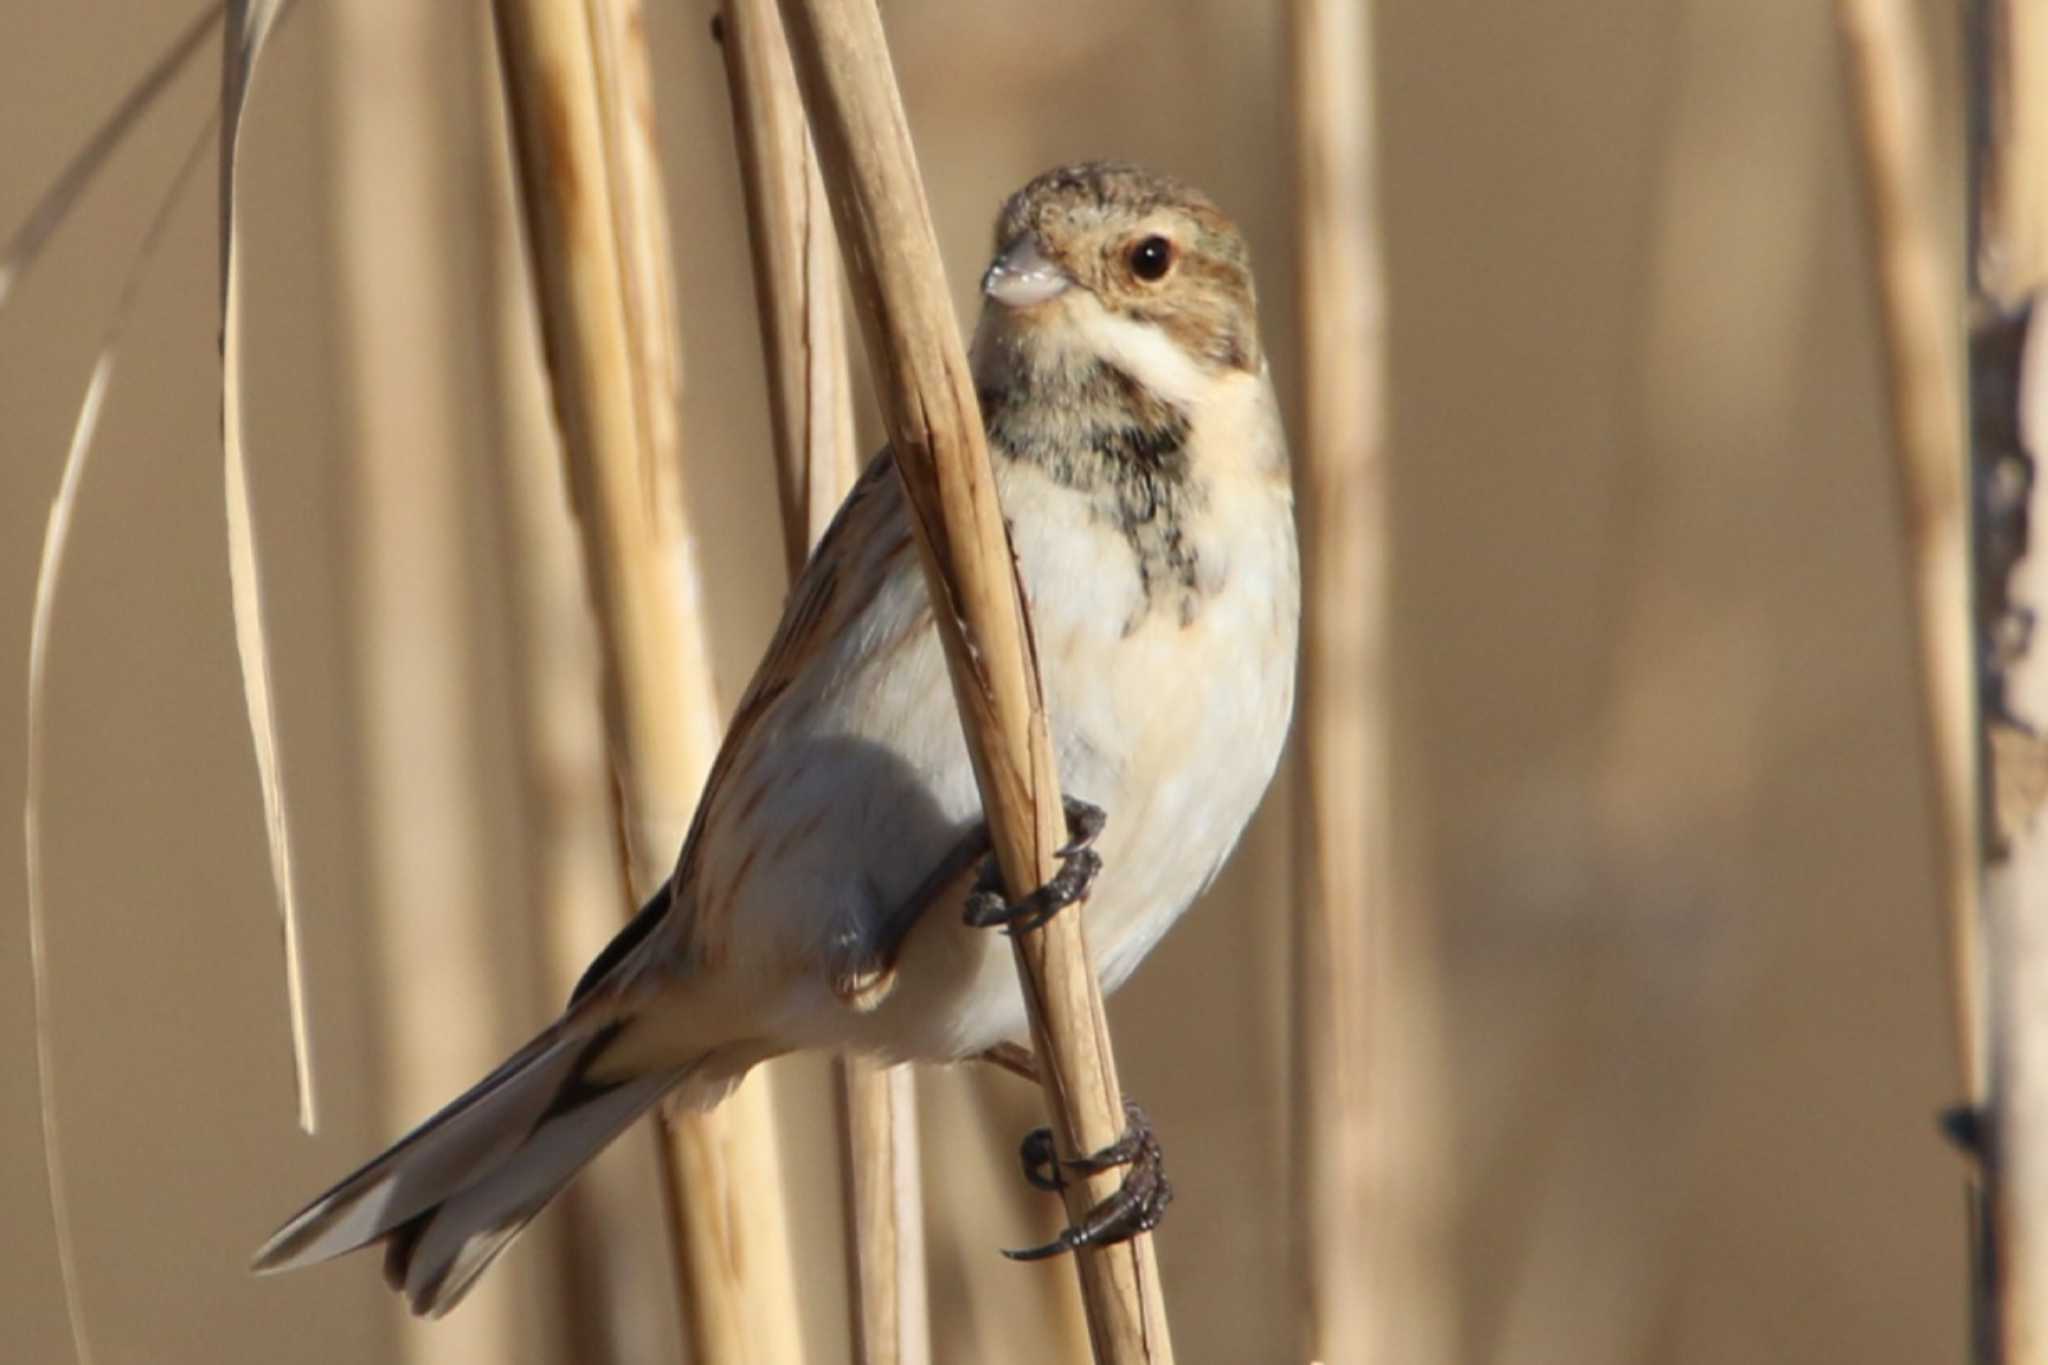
<point>1151,259</point>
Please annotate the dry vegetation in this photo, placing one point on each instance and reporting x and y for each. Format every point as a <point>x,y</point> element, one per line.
<point>1597,1034</point>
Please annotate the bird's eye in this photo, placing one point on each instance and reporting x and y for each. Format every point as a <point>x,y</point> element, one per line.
<point>1151,258</point>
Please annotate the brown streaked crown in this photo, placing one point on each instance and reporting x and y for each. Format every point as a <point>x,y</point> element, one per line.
<point>1092,219</point>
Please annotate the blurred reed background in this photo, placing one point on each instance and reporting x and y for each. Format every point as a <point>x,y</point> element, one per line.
<point>1659,784</point>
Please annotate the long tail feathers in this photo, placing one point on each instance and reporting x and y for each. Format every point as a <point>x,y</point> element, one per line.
<point>453,1193</point>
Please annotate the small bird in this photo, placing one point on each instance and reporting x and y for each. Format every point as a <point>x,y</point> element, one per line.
<point>834,890</point>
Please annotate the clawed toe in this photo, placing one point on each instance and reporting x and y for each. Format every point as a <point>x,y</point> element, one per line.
<point>1084,822</point>
<point>1137,1205</point>
<point>1041,1161</point>
<point>988,908</point>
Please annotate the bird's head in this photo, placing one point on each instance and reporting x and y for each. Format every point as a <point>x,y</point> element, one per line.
<point>1106,264</point>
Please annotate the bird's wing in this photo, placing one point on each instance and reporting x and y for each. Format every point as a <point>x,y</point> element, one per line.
<point>826,596</point>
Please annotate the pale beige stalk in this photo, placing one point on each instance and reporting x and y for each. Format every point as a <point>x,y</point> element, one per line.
<point>23,247</point>
<point>571,853</point>
<point>797,280</point>
<point>399,146</point>
<point>935,429</point>
<point>2000,938</point>
<point>1369,1285</point>
<point>610,1248</point>
<point>803,330</point>
<point>35,732</point>
<point>1886,65</point>
<point>576,85</point>
<point>1887,70</point>
<point>246,28</point>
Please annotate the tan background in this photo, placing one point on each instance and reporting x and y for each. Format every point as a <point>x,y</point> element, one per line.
<point>1657,751</point>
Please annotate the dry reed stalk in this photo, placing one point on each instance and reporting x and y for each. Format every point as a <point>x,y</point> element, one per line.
<point>610,1260</point>
<point>797,285</point>
<point>884,1210</point>
<point>18,255</point>
<point>576,85</point>
<point>25,244</point>
<point>935,429</point>
<point>1887,75</point>
<point>246,27</point>
<point>42,620</point>
<point>2000,940</point>
<point>1888,78</point>
<point>571,851</point>
<point>1359,974</point>
<point>444,1012</point>
<point>796,277</point>
<point>2008,404</point>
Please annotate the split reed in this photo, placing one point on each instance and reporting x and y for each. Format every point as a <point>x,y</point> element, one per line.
<point>2008,396</point>
<point>797,285</point>
<point>575,82</point>
<point>935,430</point>
<point>1984,693</point>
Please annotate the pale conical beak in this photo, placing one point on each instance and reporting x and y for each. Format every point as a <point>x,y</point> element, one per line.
<point>1023,276</point>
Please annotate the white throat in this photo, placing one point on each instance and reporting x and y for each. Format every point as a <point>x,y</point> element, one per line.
<point>1075,330</point>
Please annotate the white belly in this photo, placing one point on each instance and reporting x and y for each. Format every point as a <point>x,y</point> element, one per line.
<point>1174,730</point>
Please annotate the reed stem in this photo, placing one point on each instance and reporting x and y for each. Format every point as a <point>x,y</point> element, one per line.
<point>2008,398</point>
<point>935,429</point>
<point>1353,972</point>
<point>576,86</point>
<point>797,285</point>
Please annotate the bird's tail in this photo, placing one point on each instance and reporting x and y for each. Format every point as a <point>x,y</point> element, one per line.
<point>453,1193</point>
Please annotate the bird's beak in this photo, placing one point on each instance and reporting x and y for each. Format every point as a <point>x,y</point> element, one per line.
<point>1023,276</point>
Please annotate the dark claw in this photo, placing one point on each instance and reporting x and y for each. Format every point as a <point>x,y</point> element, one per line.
<point>1138,1204</point>
<point>1084,822</point>
<point>1041,1161</point>
<point>1139,1145</point>
<point>987,908</point>
<point>1040,1158</point>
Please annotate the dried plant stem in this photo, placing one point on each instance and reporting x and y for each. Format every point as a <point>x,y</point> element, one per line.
<point>1887,77</point>
<point>22,248</point>
<point>934,424</point>
<point>609,1250</point>
<point>35,733</point>
<point>1887,71</point>
<point>797,284</point>
<point>626,497</point>
<point>2008,404</point>
<point>797,280</point>
<point>571,855</point>
<point>884,1232</point>
<point>576,87</point>
<point>1360,975</point>
<point>245,28</point>
<point>414,634</point>
<point>1999,940</point>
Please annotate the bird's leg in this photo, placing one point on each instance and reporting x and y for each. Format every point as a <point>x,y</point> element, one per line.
<point>1014,1058</point>
<point>1041,1160</point>
<point>988,908</point>
<point>864,966</point>
<point>864,969</point>
<point>1138,1204</point>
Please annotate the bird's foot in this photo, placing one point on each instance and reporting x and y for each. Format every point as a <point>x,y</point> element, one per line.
<point>988,908</point>
<point>1138,1204</point>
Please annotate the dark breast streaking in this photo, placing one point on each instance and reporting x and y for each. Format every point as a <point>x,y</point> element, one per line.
<point>1102,434</point>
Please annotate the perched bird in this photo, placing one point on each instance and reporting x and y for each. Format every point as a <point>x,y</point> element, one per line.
<point>827,895</point>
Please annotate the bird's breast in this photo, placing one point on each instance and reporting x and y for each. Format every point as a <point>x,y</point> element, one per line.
<point>1169,712</point>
